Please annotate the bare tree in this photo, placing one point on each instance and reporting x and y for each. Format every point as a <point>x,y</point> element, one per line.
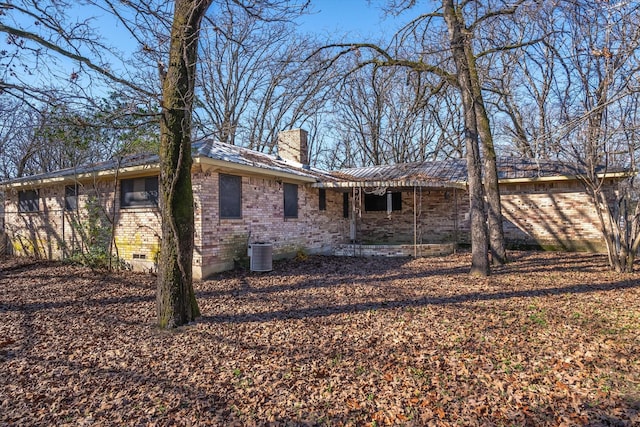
<point>600,122</point>
<point>464,73</point>
<point>176,301</point>
<point>55,137</point>
<point>41,32</point>
<point>418,47</point>
<point>574,98</point>
<point>526,86</point>
<point>254,81</point>
<point>17,141</point>
<point>389,115</point>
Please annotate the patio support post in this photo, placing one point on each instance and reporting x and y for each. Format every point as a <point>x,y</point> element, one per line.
<point>415,224</point>
<point>64,250</point>
<point>455,220</point>
<point>352,223</point>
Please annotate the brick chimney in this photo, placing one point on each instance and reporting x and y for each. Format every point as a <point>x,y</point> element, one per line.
<point>292,145</point>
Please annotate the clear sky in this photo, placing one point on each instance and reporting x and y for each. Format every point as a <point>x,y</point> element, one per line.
<point>331,20</point>
<point>358,20</point>
<point>333,17</point>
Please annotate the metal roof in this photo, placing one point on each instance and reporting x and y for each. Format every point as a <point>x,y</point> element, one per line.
<point>449,173</point>
<point>145,159</point>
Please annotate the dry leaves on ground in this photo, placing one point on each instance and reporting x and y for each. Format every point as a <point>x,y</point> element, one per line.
<point>550,339</point>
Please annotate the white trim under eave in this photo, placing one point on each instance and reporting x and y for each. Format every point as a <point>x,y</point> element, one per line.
<point>606,175</point>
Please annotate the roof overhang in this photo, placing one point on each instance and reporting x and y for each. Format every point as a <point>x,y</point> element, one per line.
<point>149,168</point>
<point>459,185</point>
<point>125,172</point>
<point>604,175</point>
<point>225,166</point>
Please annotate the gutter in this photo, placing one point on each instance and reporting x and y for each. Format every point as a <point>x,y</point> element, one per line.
<point>390,183</point>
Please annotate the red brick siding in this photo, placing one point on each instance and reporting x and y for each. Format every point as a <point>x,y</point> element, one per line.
<point>554,215</point>
<point>219,241</point>
<point>436,219</point>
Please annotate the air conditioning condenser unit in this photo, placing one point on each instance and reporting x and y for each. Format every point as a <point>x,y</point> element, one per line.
<point>261,256</point>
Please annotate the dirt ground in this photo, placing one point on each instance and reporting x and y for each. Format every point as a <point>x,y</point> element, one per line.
<point>550,339</point>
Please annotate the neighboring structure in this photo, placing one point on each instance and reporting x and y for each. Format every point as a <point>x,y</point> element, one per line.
<point>242,196</point>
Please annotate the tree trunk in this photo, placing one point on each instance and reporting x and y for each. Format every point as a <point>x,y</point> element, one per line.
<point>491,188</point>
<point>479,243</point>
<point>176,302</point>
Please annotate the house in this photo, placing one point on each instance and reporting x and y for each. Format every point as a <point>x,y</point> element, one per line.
<point>243,196</point>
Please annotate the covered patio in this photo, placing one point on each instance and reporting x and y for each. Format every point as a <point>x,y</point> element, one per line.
<point>402,210</point>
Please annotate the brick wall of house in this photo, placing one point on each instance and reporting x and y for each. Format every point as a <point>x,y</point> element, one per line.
<point>220,242</point>
<point>441,218</point>
<point>56,233</point>
<point>553,215</point>
<point>137,236</point>
<point>49,233</point>
<point>38,234</point>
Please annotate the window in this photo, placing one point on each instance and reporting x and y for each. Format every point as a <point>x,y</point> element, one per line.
<point>322,199</point>
<point>139,192</point>
<point>345,205</point>
<point>28,201</point>
<point>290,200</point>
<point>374,203</point>
<point>230,189</point>
<point>71,198</point>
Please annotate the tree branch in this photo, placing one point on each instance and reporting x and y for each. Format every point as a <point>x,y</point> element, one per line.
<point>387,61</point>
<point>511,47</point>
<point>101,70</point>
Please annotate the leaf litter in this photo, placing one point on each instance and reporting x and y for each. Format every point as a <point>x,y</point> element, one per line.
<point>550,339</point>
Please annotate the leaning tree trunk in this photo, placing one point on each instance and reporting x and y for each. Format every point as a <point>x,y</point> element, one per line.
<point>479,243</point>
<point>176,301</point>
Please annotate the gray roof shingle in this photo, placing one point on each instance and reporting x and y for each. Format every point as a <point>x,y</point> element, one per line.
<point>210,149</point>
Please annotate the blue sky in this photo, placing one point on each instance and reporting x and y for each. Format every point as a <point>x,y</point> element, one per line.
<point>360,19</point>
<point>333,17</point>
<point>331,20</point>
